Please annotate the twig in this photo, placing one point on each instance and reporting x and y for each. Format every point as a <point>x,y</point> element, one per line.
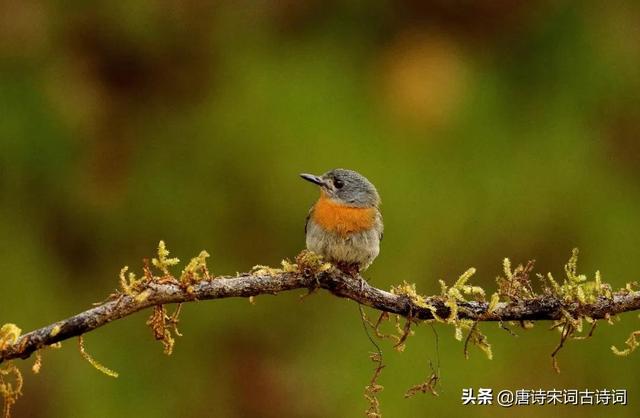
<point>168,291</point>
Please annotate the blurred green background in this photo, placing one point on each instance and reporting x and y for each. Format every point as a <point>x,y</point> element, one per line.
<point>491,129</point>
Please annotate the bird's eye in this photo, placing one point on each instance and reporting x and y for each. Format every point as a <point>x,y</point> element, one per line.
<point>338,183</point>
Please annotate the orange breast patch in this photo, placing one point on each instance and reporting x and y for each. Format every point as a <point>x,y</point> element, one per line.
<point>342,219</point>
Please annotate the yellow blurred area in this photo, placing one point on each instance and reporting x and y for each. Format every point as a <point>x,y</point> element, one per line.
<point>424,79</point>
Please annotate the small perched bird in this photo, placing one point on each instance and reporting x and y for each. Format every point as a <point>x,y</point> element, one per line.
<point>345,225</point>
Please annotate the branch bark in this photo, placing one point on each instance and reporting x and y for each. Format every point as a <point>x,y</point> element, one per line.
<point>168,290</point>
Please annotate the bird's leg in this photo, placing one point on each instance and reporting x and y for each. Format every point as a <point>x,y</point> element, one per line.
<point>353,270</point>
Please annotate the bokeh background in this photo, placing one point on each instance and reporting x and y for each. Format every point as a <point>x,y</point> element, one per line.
<point>491,129</point>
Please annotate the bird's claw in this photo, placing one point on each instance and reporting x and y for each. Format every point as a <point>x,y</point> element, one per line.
<point>353,270</point>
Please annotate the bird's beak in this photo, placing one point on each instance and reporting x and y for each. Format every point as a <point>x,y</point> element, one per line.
<point>313,179</point>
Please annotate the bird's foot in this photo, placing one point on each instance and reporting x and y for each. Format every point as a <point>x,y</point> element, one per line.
<point>353,270</point>
<point>361,280</point>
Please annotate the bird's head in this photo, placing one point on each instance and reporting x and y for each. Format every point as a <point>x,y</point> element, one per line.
<point>346,187</point>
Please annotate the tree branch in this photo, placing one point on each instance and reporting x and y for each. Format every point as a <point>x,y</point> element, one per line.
<point>167,290</point>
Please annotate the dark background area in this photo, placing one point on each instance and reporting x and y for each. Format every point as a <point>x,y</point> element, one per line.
<point>491,129</point>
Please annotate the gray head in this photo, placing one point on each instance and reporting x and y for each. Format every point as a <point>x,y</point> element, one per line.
<point>347,187</point>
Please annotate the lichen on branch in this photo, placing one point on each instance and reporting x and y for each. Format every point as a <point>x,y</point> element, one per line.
<point>568,303</point>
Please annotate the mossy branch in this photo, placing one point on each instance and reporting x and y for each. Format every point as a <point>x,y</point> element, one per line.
<point>156,290</point>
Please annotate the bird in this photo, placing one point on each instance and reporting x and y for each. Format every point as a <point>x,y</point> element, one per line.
<point>345,225</point>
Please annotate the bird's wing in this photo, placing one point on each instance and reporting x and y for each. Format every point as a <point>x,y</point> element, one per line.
<point>306,221</point>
